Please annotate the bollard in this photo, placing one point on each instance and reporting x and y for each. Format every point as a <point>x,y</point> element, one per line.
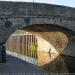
<point>2,53</point>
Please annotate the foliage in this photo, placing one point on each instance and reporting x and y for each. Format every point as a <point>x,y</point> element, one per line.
<point>33,48</point>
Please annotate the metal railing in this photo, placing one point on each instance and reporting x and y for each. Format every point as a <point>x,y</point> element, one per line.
<point>21,45</point>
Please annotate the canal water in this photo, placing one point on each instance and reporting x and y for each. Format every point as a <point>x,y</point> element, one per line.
<point>62,64</point>
<point>68,60</point>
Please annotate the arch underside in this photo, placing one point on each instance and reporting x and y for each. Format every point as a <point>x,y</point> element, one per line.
<point>51,37</point>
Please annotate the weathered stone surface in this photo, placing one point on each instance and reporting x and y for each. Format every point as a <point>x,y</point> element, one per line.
<point>37,14</point>
<point>56,43</point>
<point>57,37</point>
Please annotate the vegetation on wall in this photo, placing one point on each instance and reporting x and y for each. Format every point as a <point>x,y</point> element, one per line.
<point>33,48</point>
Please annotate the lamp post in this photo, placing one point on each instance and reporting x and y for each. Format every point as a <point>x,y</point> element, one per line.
<point>33,1</point>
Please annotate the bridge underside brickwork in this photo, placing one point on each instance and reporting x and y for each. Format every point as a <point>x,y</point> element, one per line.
<point>51,37</point>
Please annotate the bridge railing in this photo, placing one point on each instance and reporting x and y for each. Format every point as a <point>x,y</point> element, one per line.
<point>21,45</point>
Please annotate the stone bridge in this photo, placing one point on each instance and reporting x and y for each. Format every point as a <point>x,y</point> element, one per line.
<point>37,18</point>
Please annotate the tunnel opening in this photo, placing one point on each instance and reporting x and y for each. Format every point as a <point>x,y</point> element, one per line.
<point>62,38</point>
<point>21,49</point>
<point>49,37</point>
<point>23,45</point>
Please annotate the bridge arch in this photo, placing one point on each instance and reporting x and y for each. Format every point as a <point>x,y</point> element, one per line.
<point>57,36</point>
<point>26,14</point>
<point>43,30</point>
<point>50,22</point>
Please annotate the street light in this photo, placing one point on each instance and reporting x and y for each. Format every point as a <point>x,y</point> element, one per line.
<point>33,1</point>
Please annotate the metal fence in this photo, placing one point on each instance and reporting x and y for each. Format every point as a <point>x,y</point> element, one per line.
<point>21,44</point>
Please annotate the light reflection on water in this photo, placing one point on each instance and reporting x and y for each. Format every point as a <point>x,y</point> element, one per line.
<point>23,57</point>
